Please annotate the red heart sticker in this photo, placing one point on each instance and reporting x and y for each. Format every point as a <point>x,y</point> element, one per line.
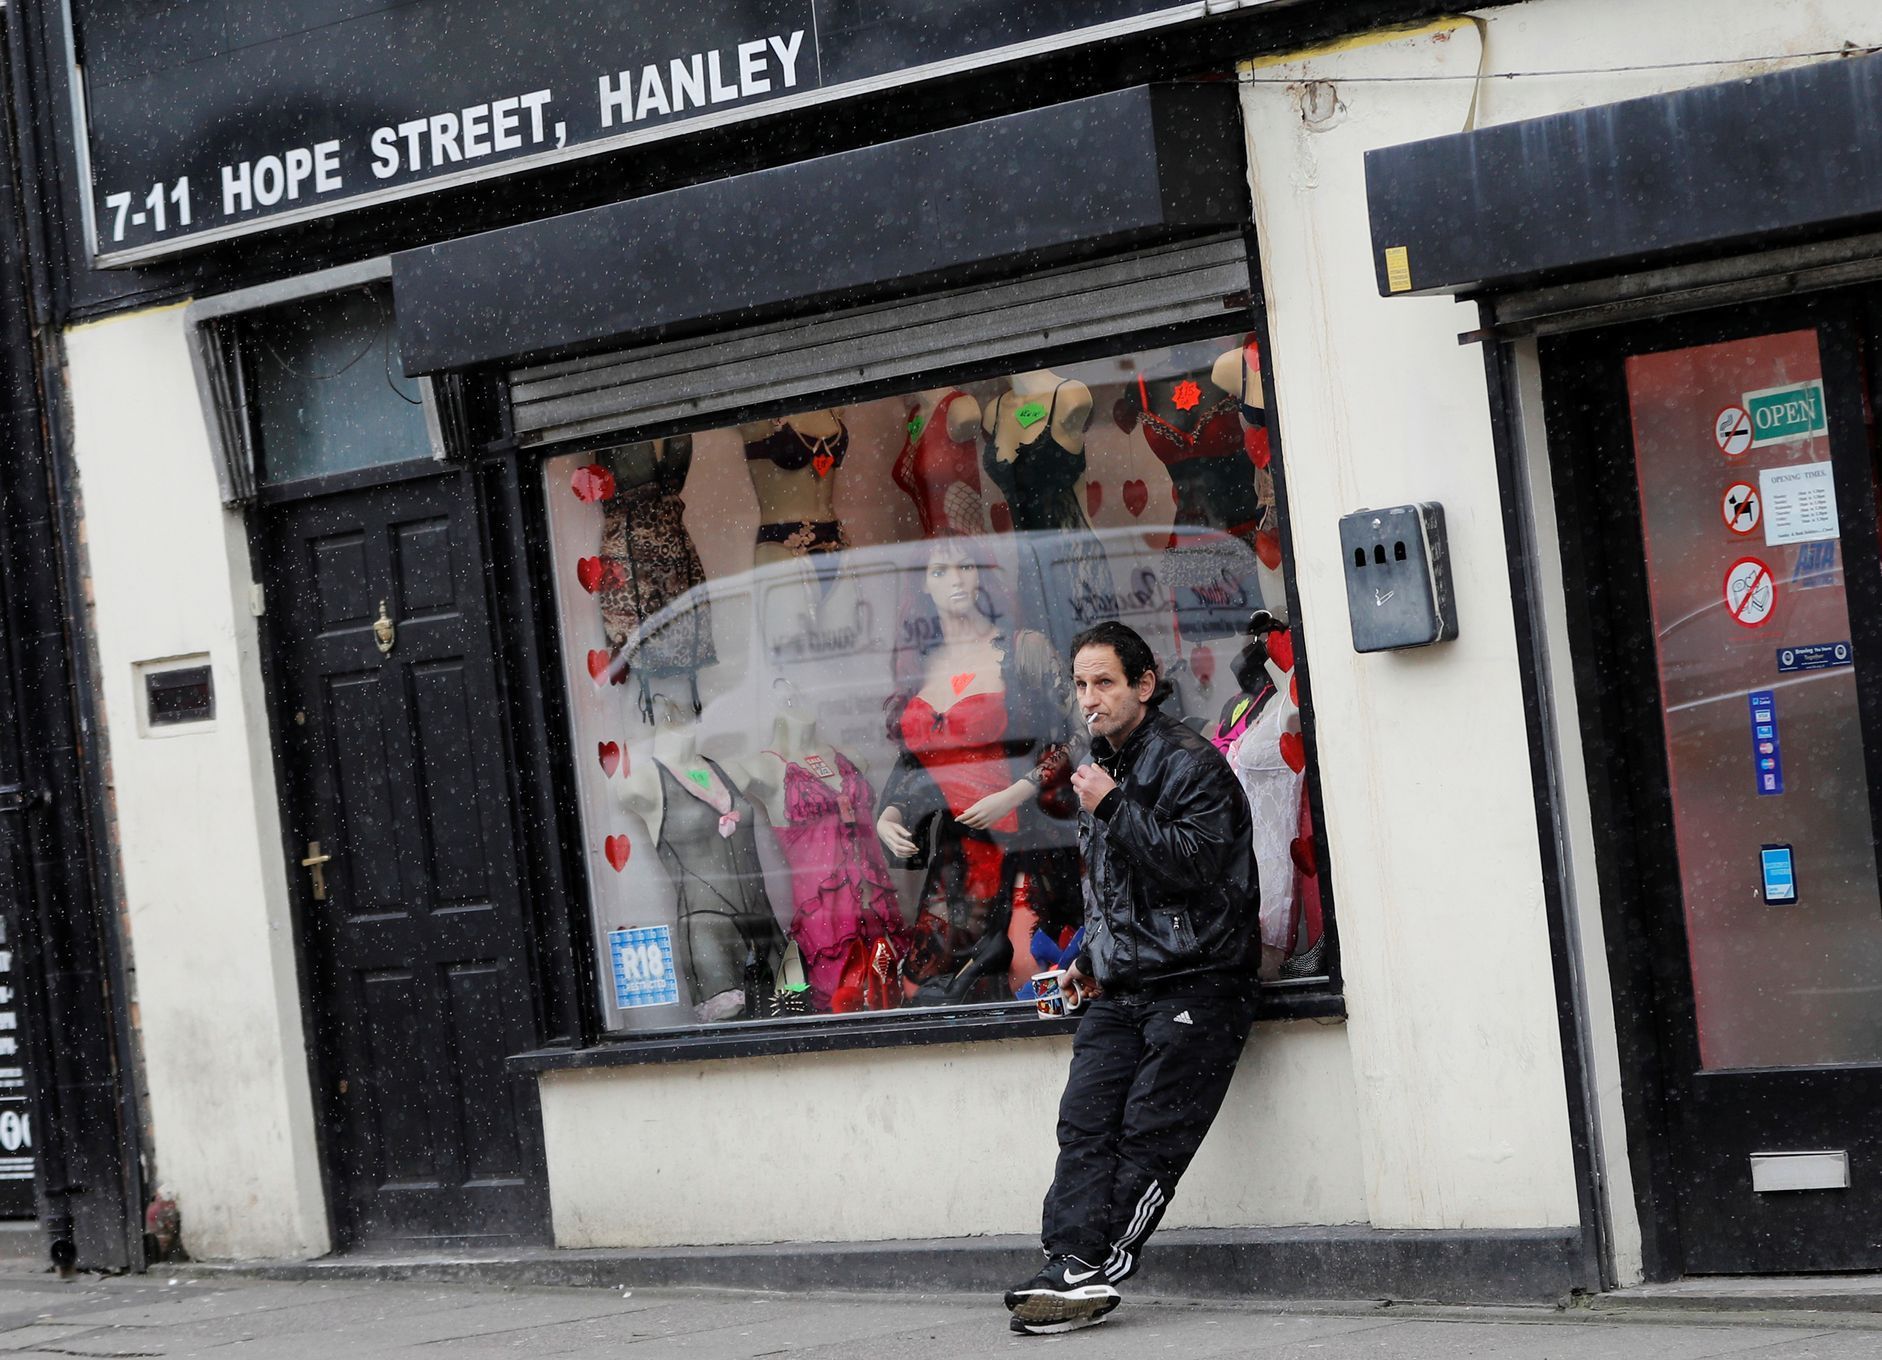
<point>589,571</point>
<point>597,666</point>
<point>823,462</point>
<point>1001,516</point>
<point>1202,664</point>
<point>1268,548</point>
<point>1281,648</point>
<point>1300,850</point>
<point>1094,497</point>
<point>1293,751</point>
<point>1136,496</point>
<point>592,483</point>
<point>961,682</point>
<point>1293,690</point>
<point>617,849</point>
<point>610,757</point>
<point>1255,441</point>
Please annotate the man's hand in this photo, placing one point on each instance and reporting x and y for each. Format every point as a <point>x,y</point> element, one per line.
<point>1078,986</point>
<point>894,835</point>
<point>1091,784</point>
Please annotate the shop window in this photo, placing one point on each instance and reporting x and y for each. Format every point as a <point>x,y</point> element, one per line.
<point>797,646</point>
<point>327,388</point>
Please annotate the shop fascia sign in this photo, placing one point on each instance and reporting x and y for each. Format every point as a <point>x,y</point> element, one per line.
<point>214,120</point>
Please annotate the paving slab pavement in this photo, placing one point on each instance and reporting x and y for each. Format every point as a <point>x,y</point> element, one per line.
<point>157,1317</point>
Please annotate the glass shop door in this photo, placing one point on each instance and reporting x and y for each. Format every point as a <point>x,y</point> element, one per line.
<point>1716,477</point>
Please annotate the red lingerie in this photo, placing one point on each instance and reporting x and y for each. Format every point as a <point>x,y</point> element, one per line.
<point>941,475</point>
<point>1217,434</point>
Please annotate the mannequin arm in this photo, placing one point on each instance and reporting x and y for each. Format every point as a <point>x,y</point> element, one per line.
<point>963,418</point>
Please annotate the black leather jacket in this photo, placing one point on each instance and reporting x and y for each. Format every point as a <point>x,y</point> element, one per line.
<point>1171,899</point>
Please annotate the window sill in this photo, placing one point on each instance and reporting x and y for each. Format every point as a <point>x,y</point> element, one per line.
<point>895,1029</point>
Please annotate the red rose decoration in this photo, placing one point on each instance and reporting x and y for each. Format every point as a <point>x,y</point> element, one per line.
<point>592,483</point>
<point>1188,395</point>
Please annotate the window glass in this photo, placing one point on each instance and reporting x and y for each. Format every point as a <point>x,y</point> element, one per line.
<point>780,634</point>
<point>330,395</point>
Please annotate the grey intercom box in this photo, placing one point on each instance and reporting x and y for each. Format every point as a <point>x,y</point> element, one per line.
<point>1398,577</point>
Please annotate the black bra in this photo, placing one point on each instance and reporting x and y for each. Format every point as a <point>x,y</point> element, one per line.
<point>788,450</point>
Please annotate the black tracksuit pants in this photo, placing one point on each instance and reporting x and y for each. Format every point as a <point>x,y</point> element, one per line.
<point>1147,1078</point>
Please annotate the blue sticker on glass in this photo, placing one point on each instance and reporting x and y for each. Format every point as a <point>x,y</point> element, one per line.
<point>641,960</point>
<point>1778,869</point>
<point>1815,565</point>
<point>1814,656</point>
<point>1767,759</point>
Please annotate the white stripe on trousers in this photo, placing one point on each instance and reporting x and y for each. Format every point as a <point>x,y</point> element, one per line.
<point>1118,1263</point>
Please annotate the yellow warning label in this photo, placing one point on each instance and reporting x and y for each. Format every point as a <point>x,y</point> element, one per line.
<point>1397,269</point>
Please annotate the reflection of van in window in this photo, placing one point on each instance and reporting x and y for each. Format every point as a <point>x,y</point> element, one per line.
<point>825,632</point>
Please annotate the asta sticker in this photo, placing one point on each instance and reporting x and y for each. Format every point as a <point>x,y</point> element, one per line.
<point>1750,592</point>
<point>1742,508</point>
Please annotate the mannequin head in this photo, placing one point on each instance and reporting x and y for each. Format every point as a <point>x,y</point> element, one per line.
<point>952,592</point>
<point>1251,666</point>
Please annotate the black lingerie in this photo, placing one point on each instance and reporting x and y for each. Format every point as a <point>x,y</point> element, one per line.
<point>789,450</point>
<point>805,535</point>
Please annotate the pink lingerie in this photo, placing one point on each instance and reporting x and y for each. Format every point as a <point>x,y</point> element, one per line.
<point>829,840</point>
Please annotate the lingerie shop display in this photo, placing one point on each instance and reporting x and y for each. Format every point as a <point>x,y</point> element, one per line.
<point>939,465</point>
<point>794,474</point>
<point>976,879</point>
<point>704,832</point>
<point>1260,733</point>
<point>647,561</point>
<point>1210,563</point>
<point>1067,585</point>
<point>846,921</point>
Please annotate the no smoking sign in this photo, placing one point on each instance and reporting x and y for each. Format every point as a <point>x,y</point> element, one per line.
<point>1732,429</point>
<point>1750,592</point>
<point>1741,508</point>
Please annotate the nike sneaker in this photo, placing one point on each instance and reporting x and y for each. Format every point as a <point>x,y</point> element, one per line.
<point>1068,1292</point>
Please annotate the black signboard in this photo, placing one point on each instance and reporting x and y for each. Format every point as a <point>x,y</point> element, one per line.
<point>212,118</point>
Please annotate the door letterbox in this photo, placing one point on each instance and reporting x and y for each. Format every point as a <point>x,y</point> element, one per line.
<point>1398,577</point>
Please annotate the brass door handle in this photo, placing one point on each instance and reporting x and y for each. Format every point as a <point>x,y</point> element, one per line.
<point>384,634</point>
<point>313,862</point>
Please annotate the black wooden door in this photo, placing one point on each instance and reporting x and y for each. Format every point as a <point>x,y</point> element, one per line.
<point>1715,480</point>
<point>400,839</point>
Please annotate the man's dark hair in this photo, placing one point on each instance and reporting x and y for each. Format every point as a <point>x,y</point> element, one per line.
<point>1133,653</point>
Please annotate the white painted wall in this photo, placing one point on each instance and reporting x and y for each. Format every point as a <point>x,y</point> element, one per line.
<point>198,836</point>
<point>1430,820</point>
<point>1430,817</point>
<point>945,1141</point>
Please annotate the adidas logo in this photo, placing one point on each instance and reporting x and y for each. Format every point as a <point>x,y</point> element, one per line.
<point>1183,1019</point>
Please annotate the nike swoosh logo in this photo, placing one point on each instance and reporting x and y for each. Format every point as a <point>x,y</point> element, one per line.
<point>1078,1279</point>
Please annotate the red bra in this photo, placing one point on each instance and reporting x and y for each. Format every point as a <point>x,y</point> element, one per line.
<point>1217,434</point>
<point>960,747</point>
